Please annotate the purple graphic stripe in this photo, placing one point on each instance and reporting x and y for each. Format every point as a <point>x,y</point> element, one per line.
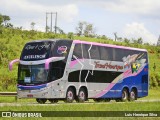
<point>105,90</point>
<point>31,87</point>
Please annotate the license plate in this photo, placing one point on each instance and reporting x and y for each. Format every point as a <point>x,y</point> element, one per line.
<point>30,96</point>
<point>28,91</point>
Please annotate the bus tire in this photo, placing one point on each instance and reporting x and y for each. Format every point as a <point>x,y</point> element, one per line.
<point>70,95</point>
<point>53,100</point>
<point>41,100</point>
<point>125,95</point>
<point>133,95</point>
<point>82,95</point>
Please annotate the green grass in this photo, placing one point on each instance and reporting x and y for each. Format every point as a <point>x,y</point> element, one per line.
<point>154,94</point>
<point>111,106</point>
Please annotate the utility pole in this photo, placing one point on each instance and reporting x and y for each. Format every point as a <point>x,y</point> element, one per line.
<point>115,36</point>
<point>51,21</point>
<point>56,24</point>
<point>46,23</point>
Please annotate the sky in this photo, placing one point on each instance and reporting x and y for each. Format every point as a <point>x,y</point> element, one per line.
<point>128,18</point>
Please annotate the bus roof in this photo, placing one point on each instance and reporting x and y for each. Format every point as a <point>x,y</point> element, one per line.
<point>109,45</point>
<point>93,43</point>
<point>47,40</point>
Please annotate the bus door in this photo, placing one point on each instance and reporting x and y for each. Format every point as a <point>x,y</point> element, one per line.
<point>145,85</point>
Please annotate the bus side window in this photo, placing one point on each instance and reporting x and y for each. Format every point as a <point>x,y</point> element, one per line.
<point>77,52</point>
<point>118,54</point>
<point>106,53</point>
<point>85,51</point>
<point>56,70</point>
<point>94,52</point>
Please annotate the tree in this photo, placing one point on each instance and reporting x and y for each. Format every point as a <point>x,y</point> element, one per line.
<point>6,19</point>
<point>80,28</point>
<point>70,35</point>
<point>32,25</point>
<point>60,30</point>
<point>146,44</point>
<point>120,39</point>
<point>126,40</point>
<point>1,19</point>
<point>158,42</point>
<point>140,41</point>
<point>86,29</point>
<point>134,41</point>
<point>104,37</point>
<point>89,30</point>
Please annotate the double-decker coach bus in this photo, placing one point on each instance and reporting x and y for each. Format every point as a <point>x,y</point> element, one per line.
<point>77,70</point>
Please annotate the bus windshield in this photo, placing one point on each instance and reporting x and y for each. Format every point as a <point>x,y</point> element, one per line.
<point>32,74</point>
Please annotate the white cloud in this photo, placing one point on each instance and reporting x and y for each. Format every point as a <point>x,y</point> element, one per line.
<point>138,7</point>
<point>27,12</point>
<point>137,30</point>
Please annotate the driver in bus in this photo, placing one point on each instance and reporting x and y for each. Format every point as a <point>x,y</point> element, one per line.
<point>41,75</point>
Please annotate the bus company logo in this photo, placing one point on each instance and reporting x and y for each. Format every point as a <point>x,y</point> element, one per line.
<point>108,66</point>
<point>135,67</point>
<point>37,47</point>
<point>27,57</point>
<point>62,49</point>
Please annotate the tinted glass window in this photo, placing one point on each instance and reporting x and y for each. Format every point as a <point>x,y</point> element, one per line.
<point>56,70</point>
<point>85,51</point>
<point>80,51</point>
<point>142,55</point>
<point>94,52</point>
<point>118,54</point>
<point>106,53</point>
<point>77,52</point>
<point>96,77</point>
<point>61,48</point>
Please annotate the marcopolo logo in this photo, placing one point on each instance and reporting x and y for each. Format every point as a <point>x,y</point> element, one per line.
<point>62,49</point>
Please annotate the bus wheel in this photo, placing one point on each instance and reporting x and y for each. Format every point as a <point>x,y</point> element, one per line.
<point>53,100</point>
<point>125,95</point>
<point>70,95</point>
<point>132,96</point>
<point>82,95</point>
<point>41,100</point>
